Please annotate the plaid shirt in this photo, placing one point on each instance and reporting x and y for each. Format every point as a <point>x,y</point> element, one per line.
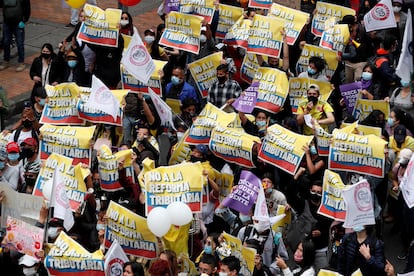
<point>218,94</point>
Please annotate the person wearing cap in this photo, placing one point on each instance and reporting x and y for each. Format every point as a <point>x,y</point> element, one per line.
<point>178,90</point>
<point>400,140</point>
<point>319,111</point>
<point>153,47</point>
<point>74,69</point>
<point>315,69</point>
<point>13,171</point>
<point>32,266</point>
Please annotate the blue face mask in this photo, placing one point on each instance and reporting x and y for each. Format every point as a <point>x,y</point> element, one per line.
<point>42,102</point>
<point>13,156</point>
<point>260,124</point>
<point>175,80</point>
<point>72,63</point>
<point>405,83</point>
<point>390,121</point>
<point>358,228</point>
<point>311,71</point>
<point>208,249</point>
<point>366,76</point>
<point>2,165</point>
<point>244,218</point>
<point>313,150</point>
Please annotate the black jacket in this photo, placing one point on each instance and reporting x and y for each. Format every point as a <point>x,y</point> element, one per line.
<point>15,11</point>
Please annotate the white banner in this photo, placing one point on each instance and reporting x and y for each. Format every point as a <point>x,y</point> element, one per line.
<point>358,204</point>
<point>101,98</point>
<point>137,61</point>
<point>380,17</point>
<point>405,64</point>
<point>406,185</point>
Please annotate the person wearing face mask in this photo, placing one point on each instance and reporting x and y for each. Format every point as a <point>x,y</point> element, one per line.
<point>38,99</point>
<point>127,27</point>
<point>224,90</point>
<point>45,68</point>
<point>178,90</point>
<point>369,85</point>
<point>230,266</point>
<point>26,127</point>
<point>270,242</point>
<point>403,98</point>
<point>361,249</point>
<point>274,198</point>
<point>13,171</point>
<point>399,117</point>
<point>320,112</point>
<point>154,49</point>
<point>400,140</point>
<point>74,71</point>
<point>315,69</point>
<point>312,165</point>
<point>304,257</point>
<point>259,127</point>
<point>31,163</point>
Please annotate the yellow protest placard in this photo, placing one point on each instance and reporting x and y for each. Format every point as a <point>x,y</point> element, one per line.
<point>154,82</point>
<point>309,51</point>
<point>282,224</point>
<point>131,232</point>
<point>228,15</point>
<point>323,139</point>
<point>244,254</point>
<point>249,67</point>
<point>73,142</point>
<point>181,151</point>
<point>73,177</point>
<point>332,203</point>
<point>265,37</point>
<point>100,27</point>
<point>283,148</point>
<point>335,38</point>
<point>210,116</point>
<point>239,33</point>
<point>357,128</point>
<point>273,89</point>
<point>61,106</point>
<point>294,20</point>
<point>204,71</point>
<point>357,153</point>
<point>182,32</point>
<point>364,107</point>
<point>233,145</point>
<point>203,8</point>
<point>182,182</point>
<point>65,252</point>
<point>325,11</point>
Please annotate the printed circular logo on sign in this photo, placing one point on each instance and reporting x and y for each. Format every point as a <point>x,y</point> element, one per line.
<point>103,96</point>
<point>380,12</point>
<point>115,267</point>
<point>138,56</point>
<point>363,198</point>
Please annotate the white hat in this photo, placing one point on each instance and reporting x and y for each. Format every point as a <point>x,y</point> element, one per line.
<point>28,260</point>
<point>204,28</point>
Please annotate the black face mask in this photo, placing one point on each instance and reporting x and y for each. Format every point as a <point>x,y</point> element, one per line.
<point>316,198</point>
<point>195,159</point>
<point>27,124</point>
<point>313,99</point>
<point>30,181</point>
<point>46,56</point>
<point>221,79</point>
<point>27,153</point>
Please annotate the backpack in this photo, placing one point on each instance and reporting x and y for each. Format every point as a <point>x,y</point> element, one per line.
<point>376,62</point>
<point>300,228</point>
<point>12,11</point>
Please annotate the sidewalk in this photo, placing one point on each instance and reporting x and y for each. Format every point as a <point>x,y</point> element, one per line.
<point>47,25</point>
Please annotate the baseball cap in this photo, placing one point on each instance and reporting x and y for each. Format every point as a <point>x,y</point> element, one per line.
<point>348,19</point>
<point>400,132</point>
<point>12,147</point>
<point>314,86</point>
<point>28,260</point>
<point>30,142</point>
<point>203,28</point>
<point>149,31</point>
<point>202,148</point>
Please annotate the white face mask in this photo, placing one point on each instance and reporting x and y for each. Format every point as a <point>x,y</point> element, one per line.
<point>203,38</point>
<point>222,273</point>
<point>124,22</point>
<point>52,232</point>
<point>180,135</point>
<point>396,9</point>
<point>29,271</point>
<point>149,39</point>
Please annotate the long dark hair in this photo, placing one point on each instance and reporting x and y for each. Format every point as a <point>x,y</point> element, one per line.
<point>136,268</point>
<point>308,255</point>
<point>50,48</point>
<point>404,118</point>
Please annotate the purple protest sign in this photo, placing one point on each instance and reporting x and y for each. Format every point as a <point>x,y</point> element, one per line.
<point>350,92</point>
<point>247,100</point>
<point>171,5</point>
<point>243,198</point>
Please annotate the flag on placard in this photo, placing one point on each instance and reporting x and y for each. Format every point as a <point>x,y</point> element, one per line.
<point>164,111</point>
<point>60,201</point>
<point>137,61</point>
<point>405,67</point>
<point>261,213</point>
<point>380,17</point>
<point>115,259</point>
<point>407,183</point>
<point>102,98</point>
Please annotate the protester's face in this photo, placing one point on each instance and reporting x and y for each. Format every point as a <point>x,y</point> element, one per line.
<point>179,74</point>
<point>46,51</point>
<point>197,153</point>
<point>225,269</point>
<point>96,178</point>
<point>313,92</point>
<point>191,109</point>
<point>143,132</point>
<point>128,271</point>
<point>81,16</point>
<point>261,117</point>
<point>205,268</point>
<point>267,183</point>
<point>312,66</point>
<point>368,69</point>
<point>392,116</point>
<point>299,250</point>
<point>273,61</point>
<point>316,194</point>
<point>221,76</point>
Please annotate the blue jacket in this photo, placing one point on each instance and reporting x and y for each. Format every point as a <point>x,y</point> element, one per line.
<point>188,91</point>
